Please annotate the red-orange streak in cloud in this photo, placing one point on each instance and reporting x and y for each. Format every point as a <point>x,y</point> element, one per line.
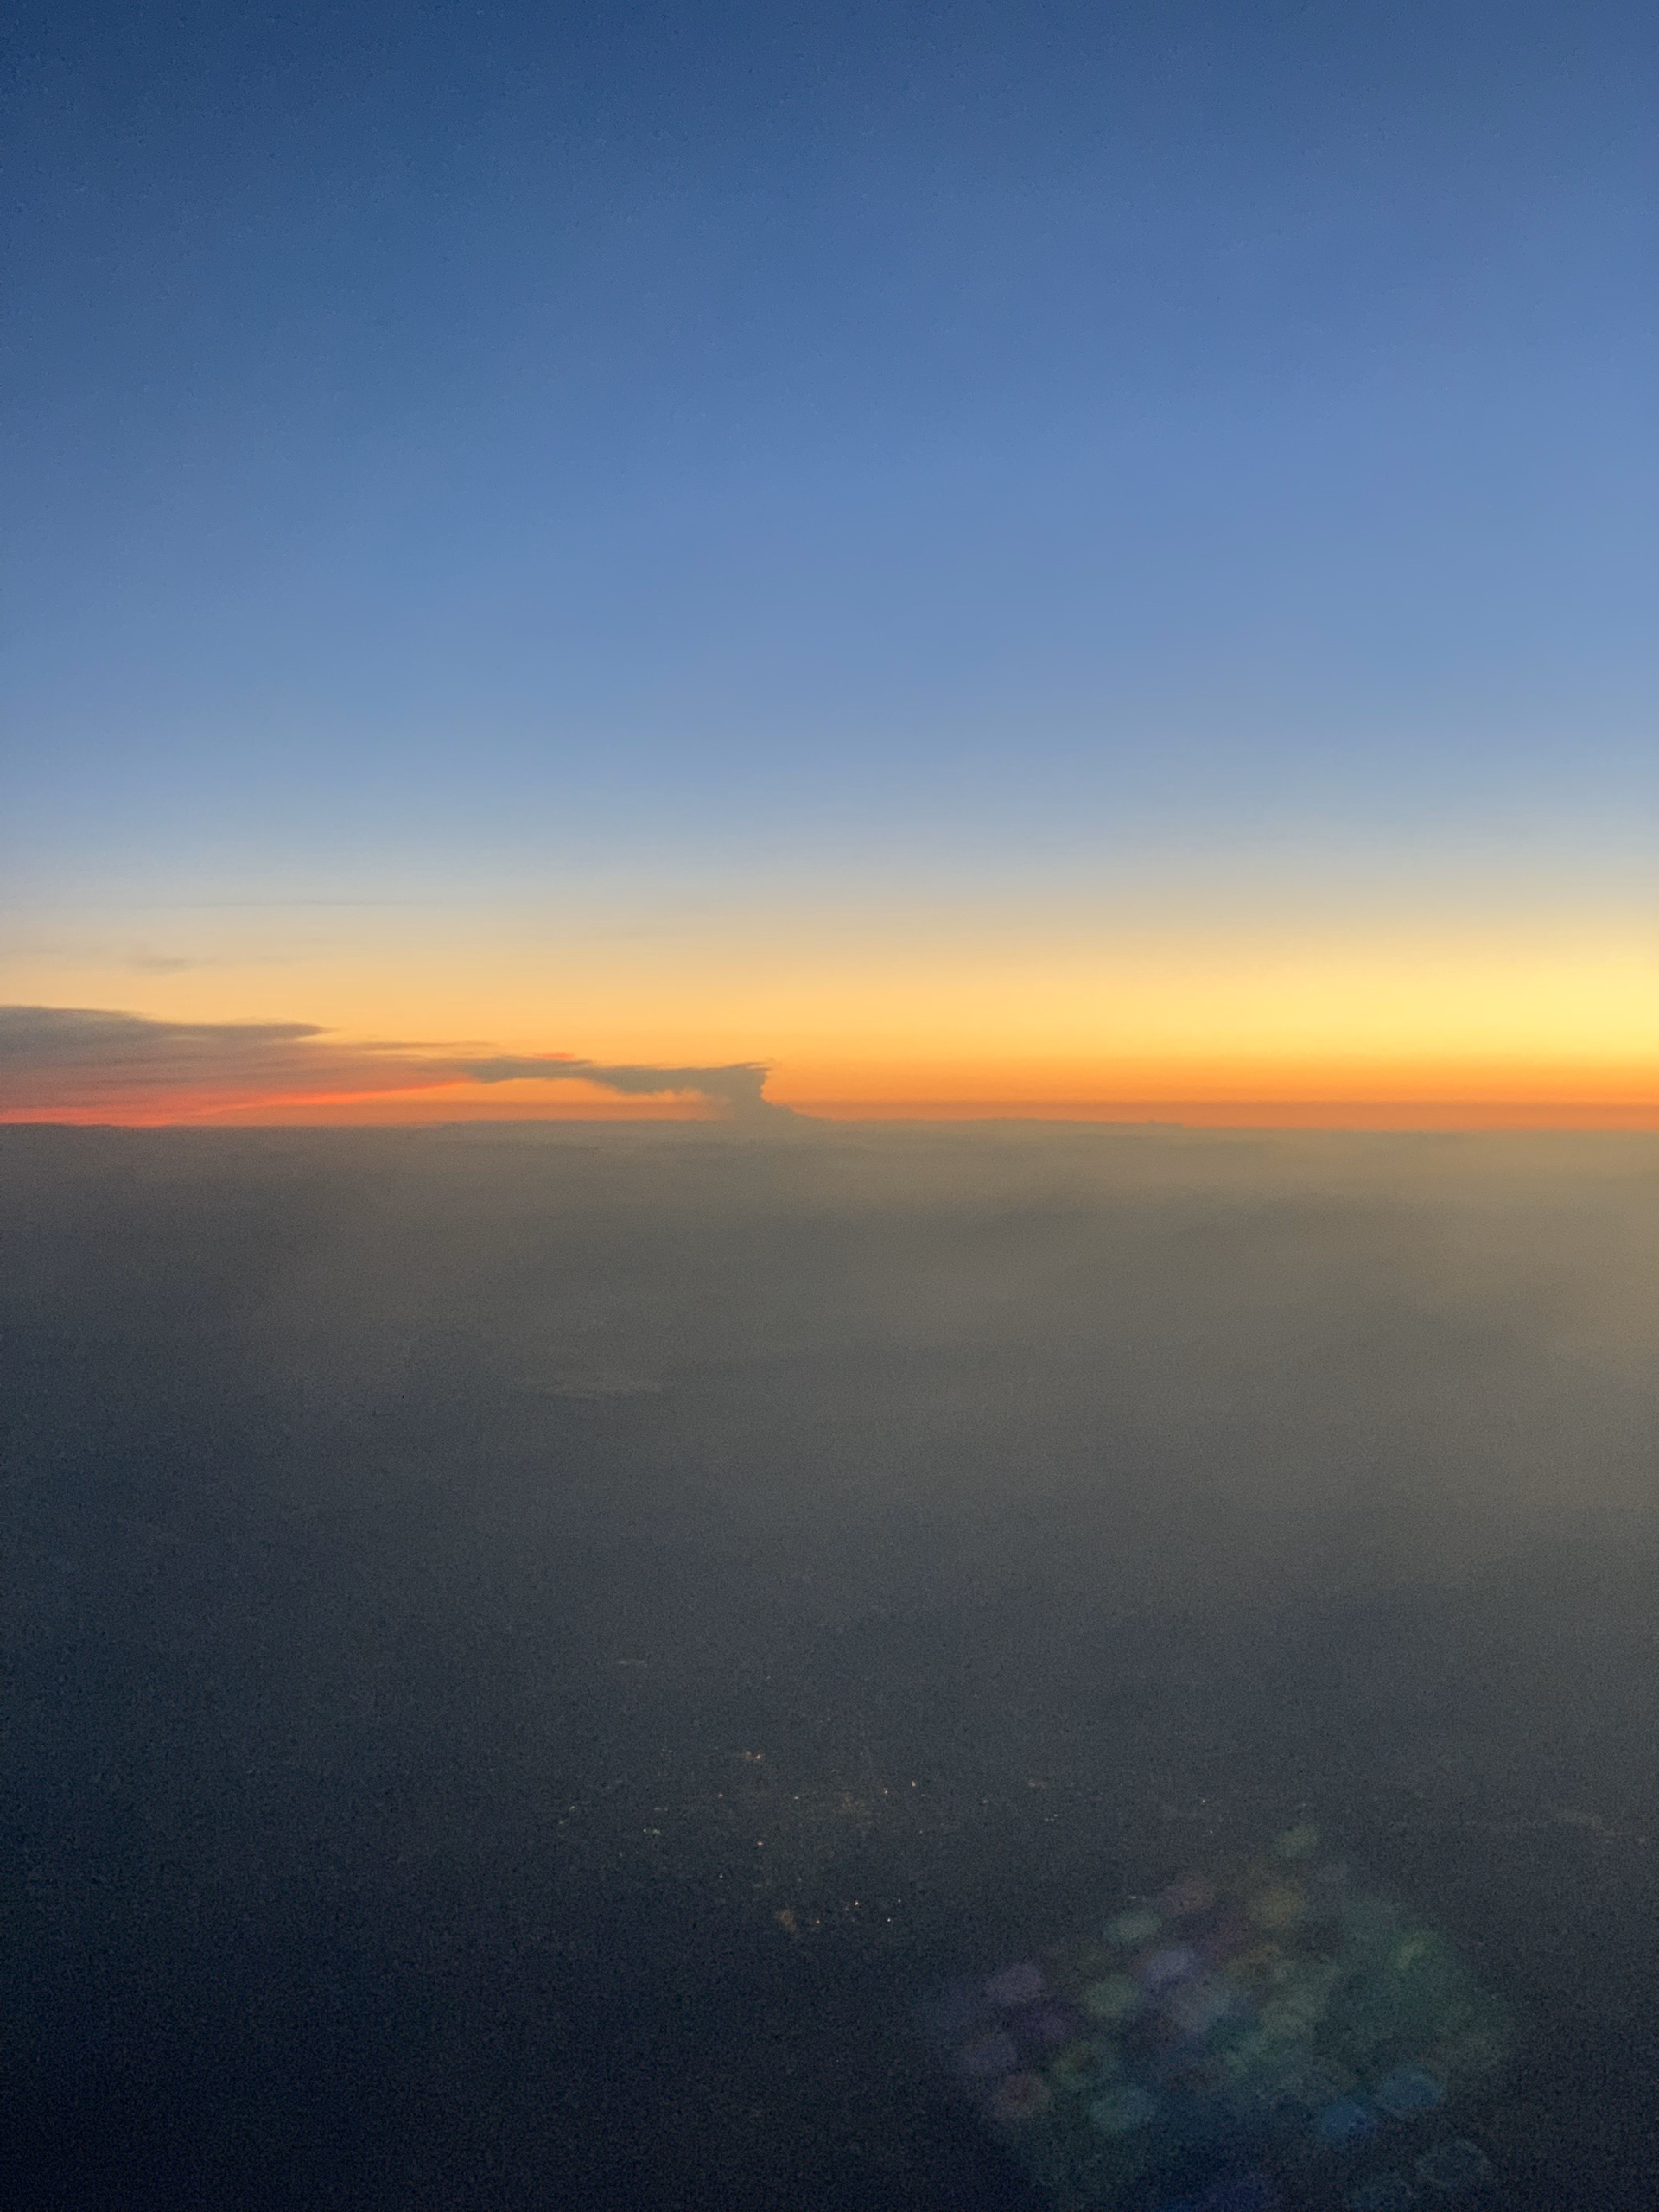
<point>470,1101</point>
<point>445,1100</point>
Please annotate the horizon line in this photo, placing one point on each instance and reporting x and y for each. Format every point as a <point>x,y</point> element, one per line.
<point>1381,1117</point>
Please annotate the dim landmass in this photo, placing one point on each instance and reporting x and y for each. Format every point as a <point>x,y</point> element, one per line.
<point>529,1648</point>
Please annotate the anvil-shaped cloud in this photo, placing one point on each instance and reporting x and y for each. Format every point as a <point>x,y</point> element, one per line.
<point>92,1063</point>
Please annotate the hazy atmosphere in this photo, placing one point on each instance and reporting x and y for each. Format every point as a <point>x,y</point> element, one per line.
<point>532,1651</point>
<point>829,1106</point>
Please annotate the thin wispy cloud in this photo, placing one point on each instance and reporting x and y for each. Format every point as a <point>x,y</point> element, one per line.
<point>78,1061</point>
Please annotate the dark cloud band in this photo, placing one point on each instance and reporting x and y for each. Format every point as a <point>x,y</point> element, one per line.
<point>77,1059</point>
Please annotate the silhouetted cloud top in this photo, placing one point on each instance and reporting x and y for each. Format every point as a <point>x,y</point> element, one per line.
<point>80,1059</point>
<point>740,1085</point>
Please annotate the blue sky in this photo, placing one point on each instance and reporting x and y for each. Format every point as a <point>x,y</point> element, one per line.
<point>451,445</point>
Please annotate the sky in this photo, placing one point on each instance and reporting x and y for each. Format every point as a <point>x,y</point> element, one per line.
<point>936,560</point>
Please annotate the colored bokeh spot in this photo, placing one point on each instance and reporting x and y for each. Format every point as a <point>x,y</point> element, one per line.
<point>1274,2032</point>
<point>1409,2089</point>
<point>1016,1984</point>
<point>1345,2119</point>
<point>1113,1999</point>
<point>1200,2007</point>
<point>1299,1842</point>
<point>1082,2065</point>
<point>991,2055</point>
<point>1176,1962</point>
<point>1454,2166</point>
<point>1276,1905</point>
<point>1022,2097</point>
<point>1123,2109</point>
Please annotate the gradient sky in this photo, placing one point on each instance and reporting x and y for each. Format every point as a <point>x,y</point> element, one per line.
<point>973,555</point>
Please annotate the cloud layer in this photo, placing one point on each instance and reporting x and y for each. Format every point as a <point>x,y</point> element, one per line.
<point>90,1062</point>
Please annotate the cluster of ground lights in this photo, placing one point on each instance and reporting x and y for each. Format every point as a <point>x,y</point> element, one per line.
<point>1271,2035</point>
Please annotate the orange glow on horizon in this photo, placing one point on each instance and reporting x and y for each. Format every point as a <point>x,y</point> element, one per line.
<point>1371,1098</point>
<point>1261,1113</point>
<point>1025,1009</point>
<point>1364,1081</point>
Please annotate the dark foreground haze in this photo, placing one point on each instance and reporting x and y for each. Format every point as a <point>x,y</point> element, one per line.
<point>529,1651</point>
